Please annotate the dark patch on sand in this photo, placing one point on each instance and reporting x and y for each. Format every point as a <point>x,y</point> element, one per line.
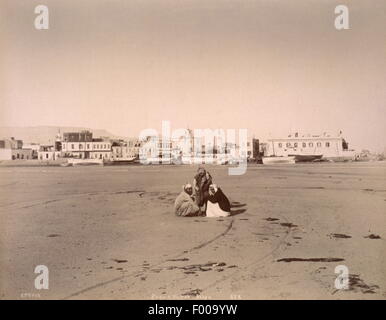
<point>192,293</point>
<point>179,259</point>
<point>288,224</point>
<point>190,272</point>
<point>357,284</point>
<point>53,235</point>
<point>373,236</point>
<point>119,260</point>
<point>310,260</point>
<point>271,219</point>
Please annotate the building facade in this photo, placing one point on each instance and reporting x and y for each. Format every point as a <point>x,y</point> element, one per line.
<point>331,147</point>
<point>12,149</point>
<point>82,145</point>
<point>48,152</point>
<point>125,149</point>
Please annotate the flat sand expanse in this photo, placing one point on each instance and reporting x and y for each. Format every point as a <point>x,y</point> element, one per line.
<point>110,233</point>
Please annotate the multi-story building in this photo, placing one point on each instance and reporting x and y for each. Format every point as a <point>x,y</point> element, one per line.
<point>48,152</point>
<point>82,145</point>
<point>125,149</point>
<point>156,150</point>
<point>12,149</point>
<point>330,147</point>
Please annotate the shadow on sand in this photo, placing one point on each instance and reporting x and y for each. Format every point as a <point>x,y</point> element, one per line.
<point>237,208</point>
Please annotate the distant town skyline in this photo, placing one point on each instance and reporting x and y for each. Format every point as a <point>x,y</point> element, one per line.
<point>271,67</point>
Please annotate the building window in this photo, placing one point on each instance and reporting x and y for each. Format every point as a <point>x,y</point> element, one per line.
<point>295,145</point>
<point>304,144</point>
<point>80,146</point>
<point>72,146</point>
<point>288,145</point>
<point>280,145</point>
<point>319,144</point>
<point>46,155</point>
<point>88,146</point>
<point>327,144</point>
<point>311,144</point>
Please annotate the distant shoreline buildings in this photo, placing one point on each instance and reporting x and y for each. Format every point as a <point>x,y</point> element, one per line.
<point>83,146</point>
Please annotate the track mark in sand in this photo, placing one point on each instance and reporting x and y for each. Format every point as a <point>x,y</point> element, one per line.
<point>310,260</point>
<point>129,191</point>
<point>203,267</point>
<point>339,236</point>
<point>256,262</point>
<point>204,244</point>
<point>40,204</point>
<point>66,197</point>
<point>9,184</point>
<point>137,273</point>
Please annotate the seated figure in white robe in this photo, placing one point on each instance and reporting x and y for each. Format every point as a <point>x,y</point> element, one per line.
<point>218,204</point>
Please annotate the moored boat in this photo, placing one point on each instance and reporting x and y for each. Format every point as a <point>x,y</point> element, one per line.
<point>120,161</point>
<point>306,157</point>
<point>85,162</point>
<point>278,160</point>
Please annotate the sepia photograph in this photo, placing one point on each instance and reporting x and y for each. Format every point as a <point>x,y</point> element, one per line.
<point>192,150</point>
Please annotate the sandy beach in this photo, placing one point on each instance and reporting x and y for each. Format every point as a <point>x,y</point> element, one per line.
<point>110,233</point>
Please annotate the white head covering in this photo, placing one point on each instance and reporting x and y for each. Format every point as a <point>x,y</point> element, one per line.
<point>186,186</point>
<point>214,187</point>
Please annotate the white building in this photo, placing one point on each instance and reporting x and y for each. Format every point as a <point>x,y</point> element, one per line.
<point>154,150</point>
<point>12,149</point>
<point>127,149</point>
<point>48,152</point>
<point>83,146</point>
<point>331,147</point>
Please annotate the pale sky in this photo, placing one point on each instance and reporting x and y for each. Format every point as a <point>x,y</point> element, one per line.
<point>269,66</point>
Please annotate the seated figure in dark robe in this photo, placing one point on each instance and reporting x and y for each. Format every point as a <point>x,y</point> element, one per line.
<point>218,204</point>
<point>201,183</point>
